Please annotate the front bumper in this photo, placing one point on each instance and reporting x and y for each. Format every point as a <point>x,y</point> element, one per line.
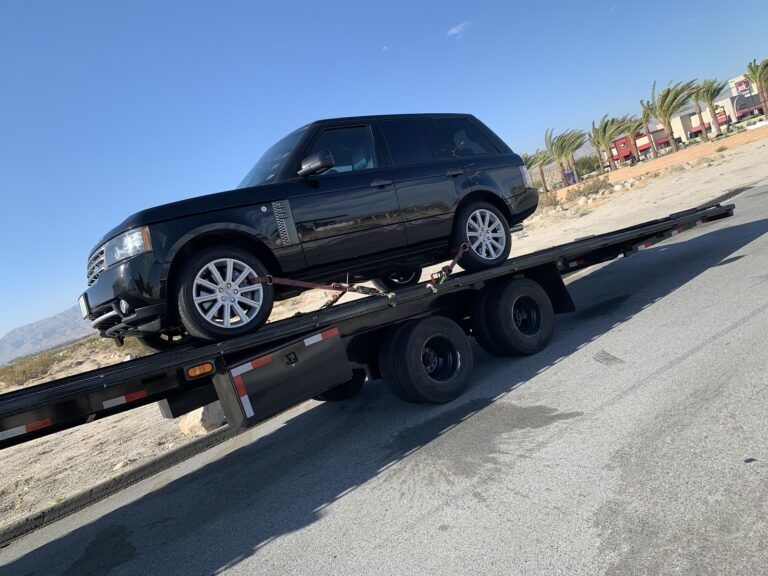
<point>140,283</point>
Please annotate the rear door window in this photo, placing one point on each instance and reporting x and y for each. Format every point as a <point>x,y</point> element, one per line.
<point>464,138</point>
<point>409,141</point>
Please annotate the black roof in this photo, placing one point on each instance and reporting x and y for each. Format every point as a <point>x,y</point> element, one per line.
<point>390,116</point>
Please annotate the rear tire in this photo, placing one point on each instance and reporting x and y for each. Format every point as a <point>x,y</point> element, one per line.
<point>515,318</point>
<point>486,231</point>
<point>428,360</point>
<point>397,280</point>
<point>218,297</point>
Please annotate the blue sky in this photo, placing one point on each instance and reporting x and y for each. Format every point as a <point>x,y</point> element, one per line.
<point>107,107</point>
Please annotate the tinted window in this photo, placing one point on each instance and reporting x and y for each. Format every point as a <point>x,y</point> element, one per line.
<point>408,140</point>
<point>352,149</point>
<point>464,138</point>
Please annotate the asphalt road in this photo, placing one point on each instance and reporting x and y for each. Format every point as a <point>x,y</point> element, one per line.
<point>637,443</point>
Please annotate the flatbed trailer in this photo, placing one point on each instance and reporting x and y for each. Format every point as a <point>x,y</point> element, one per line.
<point>409,338</point>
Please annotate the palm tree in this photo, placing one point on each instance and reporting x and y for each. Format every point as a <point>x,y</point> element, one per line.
<point>697,98</point>
<point>647,115</point>
<point>535,160</point>
<point>633,125</point>
<point>708,91</point>
<point>668,103</point>
<point>757,74</point>
<point>602,135</point>
<point>555,151</point>
<point>569,142</point>
<point>541,159</point>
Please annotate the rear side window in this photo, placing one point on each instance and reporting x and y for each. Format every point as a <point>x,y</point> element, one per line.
<point>409,141</point>
<point>464,138</point>
<point>352,148</point>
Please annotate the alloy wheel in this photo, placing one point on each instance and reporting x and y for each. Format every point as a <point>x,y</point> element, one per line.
<point>227,294</point>
<point>485,234</point>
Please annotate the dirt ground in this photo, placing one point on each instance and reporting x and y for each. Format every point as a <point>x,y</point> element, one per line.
<point>38,474</point>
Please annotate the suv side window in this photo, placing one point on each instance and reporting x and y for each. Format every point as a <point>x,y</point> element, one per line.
<point>408,140</point>
<point>464,138</point>
<point>352,148</point>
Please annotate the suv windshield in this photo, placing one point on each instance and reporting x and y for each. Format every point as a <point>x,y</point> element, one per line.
<point>269,165</point>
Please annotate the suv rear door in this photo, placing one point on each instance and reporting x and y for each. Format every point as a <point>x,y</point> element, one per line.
<point>351,210</point>
<point>489,163</point>
<point>428,181</point>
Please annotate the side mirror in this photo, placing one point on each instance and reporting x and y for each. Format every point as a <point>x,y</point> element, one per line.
<point>316,163</point>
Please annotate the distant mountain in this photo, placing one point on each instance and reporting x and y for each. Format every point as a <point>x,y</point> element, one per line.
<point>44,334</point>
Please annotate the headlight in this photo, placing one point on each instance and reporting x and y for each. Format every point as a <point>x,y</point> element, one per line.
<point>127,245</point>
<point>526,177</point>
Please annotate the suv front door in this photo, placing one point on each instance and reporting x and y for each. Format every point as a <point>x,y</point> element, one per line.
<point>350,211</point>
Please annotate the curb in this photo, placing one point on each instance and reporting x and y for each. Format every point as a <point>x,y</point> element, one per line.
<point>113,485</point>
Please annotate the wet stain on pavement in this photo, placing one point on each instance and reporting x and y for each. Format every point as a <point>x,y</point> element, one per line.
<point>457,450</point>
<point>109,549</point>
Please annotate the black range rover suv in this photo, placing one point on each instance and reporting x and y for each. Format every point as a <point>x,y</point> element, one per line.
<point>373,197</point>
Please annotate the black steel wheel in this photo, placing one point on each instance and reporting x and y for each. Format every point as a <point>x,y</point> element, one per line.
<point>514,318</point>
<point>428,360</point>
<point>218,294</point>
<point>485,230</point>
<point>397,280</point>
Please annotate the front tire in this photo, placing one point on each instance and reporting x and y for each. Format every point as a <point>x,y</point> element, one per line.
<point>218,294</point>
<point>486,231</point>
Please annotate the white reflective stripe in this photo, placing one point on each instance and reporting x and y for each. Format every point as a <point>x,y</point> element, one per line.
<point>242,369</point>
<point>112,402</point>
<point>5,434</point>
<point>247,408</point>
<point>313,339</point>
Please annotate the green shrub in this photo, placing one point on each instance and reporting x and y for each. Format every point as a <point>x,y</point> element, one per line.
<point>548,199</point>
<point>591,186</point>
<point>588,164</point>
<point>721,149</point>
<point>32,367</point>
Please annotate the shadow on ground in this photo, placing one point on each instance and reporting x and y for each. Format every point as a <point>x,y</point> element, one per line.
<point>225,511</point>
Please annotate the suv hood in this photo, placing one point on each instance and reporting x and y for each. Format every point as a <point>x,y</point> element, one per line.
<point>196,205</point>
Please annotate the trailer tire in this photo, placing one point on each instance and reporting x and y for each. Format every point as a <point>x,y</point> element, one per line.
<point>516,319</point>
<point>386,351</point>
<point>481,322</point>
<point>345,390</point>
<point>428,360</point>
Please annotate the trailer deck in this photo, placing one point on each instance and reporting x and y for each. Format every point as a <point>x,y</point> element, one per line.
<point>319,350</point>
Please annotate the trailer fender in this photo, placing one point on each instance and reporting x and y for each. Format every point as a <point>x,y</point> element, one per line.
<point>549,277</point>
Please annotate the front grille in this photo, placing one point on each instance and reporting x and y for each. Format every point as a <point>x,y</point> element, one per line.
<point>95,266</point>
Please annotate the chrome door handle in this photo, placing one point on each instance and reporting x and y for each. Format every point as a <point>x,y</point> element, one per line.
<point>380,183</point>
